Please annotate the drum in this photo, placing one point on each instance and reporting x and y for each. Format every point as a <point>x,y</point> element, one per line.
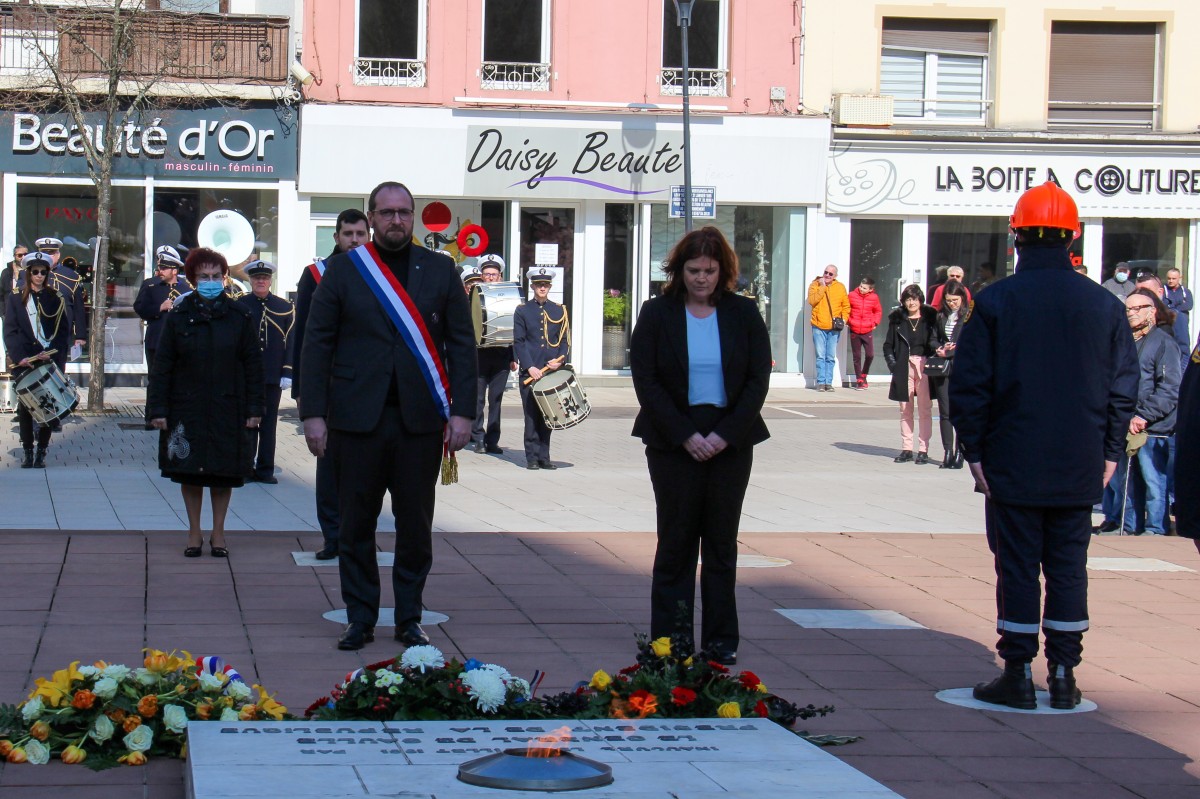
<point>492,309</point>
<point>561,398</point>
<point>47,393</point>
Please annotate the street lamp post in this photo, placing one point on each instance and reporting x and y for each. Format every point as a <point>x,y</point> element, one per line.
<point>683,8</point>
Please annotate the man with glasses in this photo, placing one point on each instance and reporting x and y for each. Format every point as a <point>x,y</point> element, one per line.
<point>1044,385</point>
<point>11,276</point>
<point>830,310</point>
<point>389,386</point>
<point>494,365</point>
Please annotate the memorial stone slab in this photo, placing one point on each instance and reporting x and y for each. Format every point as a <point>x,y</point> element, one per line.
<point>650,758</point>
<point>387,617</point>
<point>825,619</point>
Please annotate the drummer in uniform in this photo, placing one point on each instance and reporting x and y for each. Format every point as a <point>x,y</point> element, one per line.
<point>158,294</point>
<point>275,317</point>
<point>542,343</point>
<point>471,277</point>
<point>67,283</point>
<point>494,365</point>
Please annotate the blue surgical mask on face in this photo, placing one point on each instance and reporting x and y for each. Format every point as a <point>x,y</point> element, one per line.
<point>1121,276</point>
<point>210,289</point>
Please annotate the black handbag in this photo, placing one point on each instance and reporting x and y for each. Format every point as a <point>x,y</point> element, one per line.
<point>838,322</point>
<point>938,366</point>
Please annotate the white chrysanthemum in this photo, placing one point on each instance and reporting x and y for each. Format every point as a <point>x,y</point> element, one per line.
<point>238,690</point>
<point>499,671</point>
<point>145,676</point>
<point>211,682</point>
<point>485,688</point>
<point>102,729</point>
<point>105,688</point>
<point>229,714</point>
<point>422,657</point>
<point>175,718</point>
<point>88,671</point>
<point>520,686</point>
<point>116,671</point>
<point>33,709</point>
<point>37,753</point>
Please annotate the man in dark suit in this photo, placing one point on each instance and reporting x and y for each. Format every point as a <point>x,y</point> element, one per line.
<point>275,318</point>
<point>350,231</point>
<point>389,380</point>
<point>542,343</point>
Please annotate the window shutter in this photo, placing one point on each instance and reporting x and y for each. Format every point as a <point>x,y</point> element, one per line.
<point>959,78</point>
<point>903,76</point>
<point>967,36</point>
<point>1103,62</point>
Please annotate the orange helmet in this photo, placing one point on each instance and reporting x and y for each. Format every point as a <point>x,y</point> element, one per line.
<point>1046,205</point>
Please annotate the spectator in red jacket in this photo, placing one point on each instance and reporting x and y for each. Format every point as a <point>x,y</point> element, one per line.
<point>952,273</point>
<point>865,315</point>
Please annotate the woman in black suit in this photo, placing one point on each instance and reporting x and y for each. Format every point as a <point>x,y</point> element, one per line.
<point>701,362</point>
<point>36,321</point>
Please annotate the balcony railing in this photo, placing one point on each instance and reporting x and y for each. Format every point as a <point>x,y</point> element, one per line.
<point>515,76</point>
<point>389,72</point>
<point>701,82</point>
<point>1103,113</point>
<point>165,45</point>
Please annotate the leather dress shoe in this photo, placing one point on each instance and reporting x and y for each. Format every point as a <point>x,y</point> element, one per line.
<point>1108,526</point>
<point>531,465</point>
<point>492,449</point>
<point>726,657</point>
<point>356,635</point>
<point>269,479</point>
<point>328,552</point>
<point>922,457</point>
<point>903,457</point>
<point>412,635</point>
<point>1064,693</point>
<point>546,465</point>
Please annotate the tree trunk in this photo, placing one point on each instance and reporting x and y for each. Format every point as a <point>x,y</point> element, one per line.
<point>99,296</point>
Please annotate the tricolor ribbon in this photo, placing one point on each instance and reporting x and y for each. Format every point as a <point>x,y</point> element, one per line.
<point>317,269</point>
<point>354,675</point>
<point>404,315</point>
<point>535,681</point>
<point>212,664</point>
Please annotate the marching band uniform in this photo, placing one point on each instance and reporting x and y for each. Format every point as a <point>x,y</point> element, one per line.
<point>47,309</point>
<point>274,318</point>
<point>69,284</point>
<point>153,293</point>
<point>541,333</point>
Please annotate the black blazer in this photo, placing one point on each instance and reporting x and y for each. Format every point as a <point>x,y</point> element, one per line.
<point>352,349</point>
<point>658,359</point>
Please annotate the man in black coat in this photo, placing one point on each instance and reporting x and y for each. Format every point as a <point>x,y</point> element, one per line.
<point>542,343</point>
<point>389,381</point>
<point>1044,385</point>
<point>157,296</point>
<point>274,318</point>
<point>11,274</point>
<point>350,231</point>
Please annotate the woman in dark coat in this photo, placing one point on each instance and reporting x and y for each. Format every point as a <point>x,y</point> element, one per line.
<point>701,362</point>
<point>206,395</point>
<point>35,303</point>
<point>954,309</point>
<point>912,336</point>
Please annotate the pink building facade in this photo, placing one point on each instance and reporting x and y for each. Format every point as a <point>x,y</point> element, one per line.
<point>551,132</point>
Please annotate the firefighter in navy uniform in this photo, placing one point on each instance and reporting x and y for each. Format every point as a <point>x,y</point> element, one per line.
<point>1045,381</point>
<point>541,343</point>
<point>274,317</point>
<point>157,296</point>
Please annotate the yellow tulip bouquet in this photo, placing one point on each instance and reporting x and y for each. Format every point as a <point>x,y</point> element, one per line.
<point>108,714</point>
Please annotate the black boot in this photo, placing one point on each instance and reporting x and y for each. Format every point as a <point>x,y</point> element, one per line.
<point>948,461</point>
<point>1064,694</point>
<point>39,461</point>
<point>28,462</point>
<point>1013,688</point>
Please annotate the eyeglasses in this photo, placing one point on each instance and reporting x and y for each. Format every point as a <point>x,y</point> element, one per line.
<point>1137,308</point>
<point>394,213</point>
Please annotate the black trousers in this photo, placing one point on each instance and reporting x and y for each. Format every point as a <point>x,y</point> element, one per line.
<point>1053,541</point>
<point>491,385</point>
<point>537,435</point>
<point>327,499</point>
<point>387,459</point>
<point>264,462</point>
<point>699,507</point>
<point>862,347</point>
<point>941,392</point>
<point>25,422</point>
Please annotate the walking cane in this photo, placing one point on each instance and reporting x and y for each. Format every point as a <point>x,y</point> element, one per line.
<point>1133,442</point>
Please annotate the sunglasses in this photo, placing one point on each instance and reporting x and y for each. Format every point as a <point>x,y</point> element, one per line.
<point>40,270</point>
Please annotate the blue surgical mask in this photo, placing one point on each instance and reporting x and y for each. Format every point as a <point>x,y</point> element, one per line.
<point>210,289</point>
<point>1121,276</point>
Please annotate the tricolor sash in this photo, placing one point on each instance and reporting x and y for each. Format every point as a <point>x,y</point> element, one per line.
<point>317,269</point>
<point>400,308</point>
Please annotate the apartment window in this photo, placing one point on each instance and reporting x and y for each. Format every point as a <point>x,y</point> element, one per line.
<point>516,45</point>
<point>708,72</point>
<point>391,43</point>
<point>1104,73</point>
<point>936,69</point>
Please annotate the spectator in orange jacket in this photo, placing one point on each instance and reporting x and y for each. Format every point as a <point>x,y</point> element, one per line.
<point>830,310</point>
<point>865,314</point>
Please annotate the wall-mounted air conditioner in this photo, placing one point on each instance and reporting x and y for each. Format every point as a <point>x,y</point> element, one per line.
<point>862,109</point>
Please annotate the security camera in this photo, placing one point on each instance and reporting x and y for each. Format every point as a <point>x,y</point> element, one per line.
<point>302,75</point>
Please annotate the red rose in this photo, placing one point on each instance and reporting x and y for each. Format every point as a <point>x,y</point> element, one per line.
<point>749,680</point>
<point>761,709</point>
<point>682,697</point>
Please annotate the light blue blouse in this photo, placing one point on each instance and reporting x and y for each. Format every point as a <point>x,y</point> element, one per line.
<point>706,382</point>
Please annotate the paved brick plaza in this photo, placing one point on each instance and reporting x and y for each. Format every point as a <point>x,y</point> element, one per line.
<point>551,571</point>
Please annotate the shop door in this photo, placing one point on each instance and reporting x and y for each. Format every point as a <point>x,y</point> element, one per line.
<point>876,251</point>
<point>548,239</point>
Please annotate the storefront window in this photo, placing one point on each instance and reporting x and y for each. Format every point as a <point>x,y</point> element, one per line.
<point>440,224</point>
<point>1154,245</point>
<point>768,241</point>
<point>68,213</point>
<point>876,251</point>
<point>619,235</point>
<point>178,213</point>
<point>981,245</point>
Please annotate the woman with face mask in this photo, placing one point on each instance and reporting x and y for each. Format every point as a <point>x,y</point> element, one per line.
<point>206,396</point>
